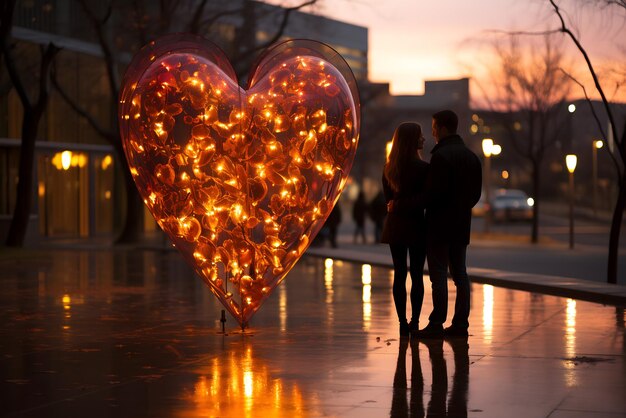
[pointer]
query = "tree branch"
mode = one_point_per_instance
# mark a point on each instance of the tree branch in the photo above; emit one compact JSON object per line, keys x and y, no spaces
{"x":6,"y":23}
{"x":108,"y":135}
{"x":138,"y":10}
{"x":216,"y":16}
{"x":109,"y":60}
{"x":167,"y":9}
{"x":605,"y":102}
{"x":46,"y":61}
{"x":279,"y":32}
{"x":194,"y":24}
{"x":523,"y":33}
{"x":593,"y":111}
{"x":283,"y":24}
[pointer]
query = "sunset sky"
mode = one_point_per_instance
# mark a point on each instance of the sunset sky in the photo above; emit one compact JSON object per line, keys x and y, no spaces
{"x":414,"y":40}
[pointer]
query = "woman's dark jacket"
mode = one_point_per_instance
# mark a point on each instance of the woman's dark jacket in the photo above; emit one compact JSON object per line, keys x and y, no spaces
{"x":406,"y":227}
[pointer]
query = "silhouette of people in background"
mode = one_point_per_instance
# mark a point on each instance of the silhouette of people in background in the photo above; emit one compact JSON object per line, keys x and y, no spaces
{"x":333,"y":221}
{"x":456,"y":406}
{"x":359,"y":210}
{"x":404,"y":177}
{"x":378,"y":213}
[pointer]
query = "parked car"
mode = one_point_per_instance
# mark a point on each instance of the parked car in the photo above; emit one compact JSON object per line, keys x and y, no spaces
{"x":511,"y":205}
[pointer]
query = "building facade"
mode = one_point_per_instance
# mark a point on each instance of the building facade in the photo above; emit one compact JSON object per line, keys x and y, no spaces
{"x":78,"y":190}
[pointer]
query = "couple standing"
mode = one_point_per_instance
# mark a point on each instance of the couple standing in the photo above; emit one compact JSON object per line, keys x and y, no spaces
{"x":446,"y":190}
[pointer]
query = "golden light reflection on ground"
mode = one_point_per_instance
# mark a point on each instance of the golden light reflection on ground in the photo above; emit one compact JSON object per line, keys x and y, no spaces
{"x":328,"y":284}
{"x":488,"y":313}
{"x":366,"y":279}
{"x":282,"y":303}
{"x":240,"y":385}
{"x":570,"y":341}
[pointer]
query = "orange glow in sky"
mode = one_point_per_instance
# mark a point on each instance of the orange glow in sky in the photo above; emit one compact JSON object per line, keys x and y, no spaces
{"x":413,"y":41}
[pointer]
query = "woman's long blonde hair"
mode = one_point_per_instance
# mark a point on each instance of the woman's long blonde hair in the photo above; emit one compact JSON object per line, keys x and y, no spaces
{"x":404,"y":149}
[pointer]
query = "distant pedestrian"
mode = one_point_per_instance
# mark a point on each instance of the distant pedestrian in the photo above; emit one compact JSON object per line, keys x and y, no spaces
{"x":404,"y":177}
{"x":453,"y":187}
{"x":333,"y":221}
{"x":359,"y":210}
{"x":378,"y":213}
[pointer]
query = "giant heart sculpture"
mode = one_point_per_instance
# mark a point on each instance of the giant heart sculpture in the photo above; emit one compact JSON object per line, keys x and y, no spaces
{"x":240,"y":180}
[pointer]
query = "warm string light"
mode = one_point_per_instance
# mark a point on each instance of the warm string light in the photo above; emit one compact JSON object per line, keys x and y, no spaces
{"x":241,"y":180}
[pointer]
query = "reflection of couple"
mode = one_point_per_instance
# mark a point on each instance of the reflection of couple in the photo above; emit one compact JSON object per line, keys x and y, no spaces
{"x":456,"y":404}
{"x":446,"y":189}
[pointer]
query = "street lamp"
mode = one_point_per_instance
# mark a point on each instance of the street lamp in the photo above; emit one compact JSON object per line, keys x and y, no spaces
{"x":595,"y":146}
{"x":487,"y":151}
{"x":570,"y":161}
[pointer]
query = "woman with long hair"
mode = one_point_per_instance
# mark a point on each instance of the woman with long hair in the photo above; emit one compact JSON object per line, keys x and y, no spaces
{"x":404,"y":176}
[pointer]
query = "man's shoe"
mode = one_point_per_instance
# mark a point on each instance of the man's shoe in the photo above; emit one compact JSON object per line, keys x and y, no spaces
{"x":404,"y":329}
{"x":452,"y":332}
{"x":431,"y":331}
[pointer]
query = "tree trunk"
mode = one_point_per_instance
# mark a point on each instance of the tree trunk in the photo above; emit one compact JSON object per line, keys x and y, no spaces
{"x":534,"y":235}
{"x":616,"y":225}
{"x":24,"y":196}
{"x":132,"y":231}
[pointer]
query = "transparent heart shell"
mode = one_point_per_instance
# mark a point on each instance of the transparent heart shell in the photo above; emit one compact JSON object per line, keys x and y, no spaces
{"x":241,"y":180}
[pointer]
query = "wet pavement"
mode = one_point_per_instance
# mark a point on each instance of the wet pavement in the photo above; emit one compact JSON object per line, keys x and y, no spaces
{"x":119,"y":333}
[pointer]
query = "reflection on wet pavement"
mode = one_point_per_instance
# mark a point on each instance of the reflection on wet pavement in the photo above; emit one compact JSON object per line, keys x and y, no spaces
{"x":134,"y":333}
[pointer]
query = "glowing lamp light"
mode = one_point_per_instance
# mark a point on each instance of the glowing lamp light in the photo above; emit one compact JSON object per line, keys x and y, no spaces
{"x":106,"y":162}
{"x":571,"y":108}
{"x":66,"y":160}
{"x":79,"y":160}
{"x":241,"y":180}
{"x":496,"y":149}
{"x":570,"y":162}
{"x":487,"y":147}
{"x":599,"y":143}
{"x":505,"y":174}
{"x":530,"y":201}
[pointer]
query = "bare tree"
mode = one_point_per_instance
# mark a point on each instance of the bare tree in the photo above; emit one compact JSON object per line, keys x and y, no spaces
{"x":620,"y":141}
{"x":33,"y":112}
{"x":148,"y":22}
{"x":529,"y":89}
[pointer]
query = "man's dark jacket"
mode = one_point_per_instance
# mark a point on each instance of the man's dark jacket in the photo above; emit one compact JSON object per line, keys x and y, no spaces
{"x":453,"y":187}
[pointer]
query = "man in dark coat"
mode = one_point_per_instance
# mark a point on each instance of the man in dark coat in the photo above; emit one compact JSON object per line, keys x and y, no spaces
{"x":453,"y":187}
